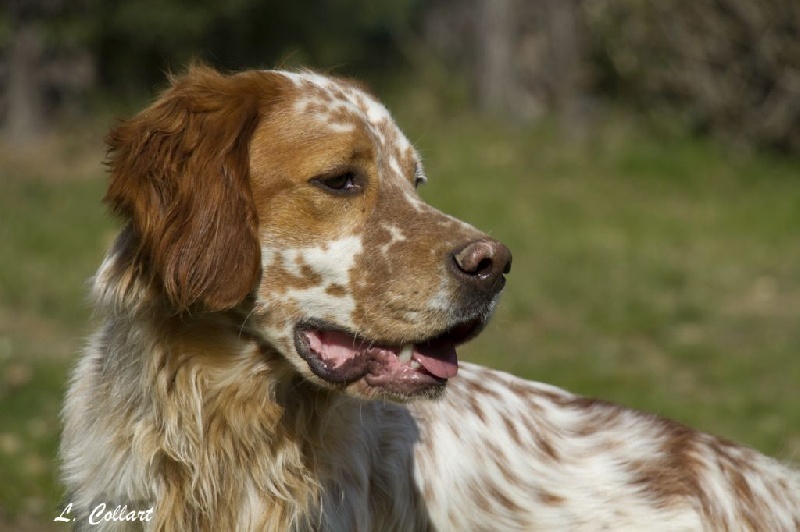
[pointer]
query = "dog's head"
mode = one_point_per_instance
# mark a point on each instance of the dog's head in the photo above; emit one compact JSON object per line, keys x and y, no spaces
{"x":293,"y":196}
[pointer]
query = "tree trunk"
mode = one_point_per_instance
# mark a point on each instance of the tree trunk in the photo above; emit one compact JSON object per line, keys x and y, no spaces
{"x":25,"y":117}
{"x":496,"y":77}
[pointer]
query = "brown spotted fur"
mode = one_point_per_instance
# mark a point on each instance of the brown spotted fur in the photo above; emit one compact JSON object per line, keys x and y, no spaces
{"x":189,"y":399}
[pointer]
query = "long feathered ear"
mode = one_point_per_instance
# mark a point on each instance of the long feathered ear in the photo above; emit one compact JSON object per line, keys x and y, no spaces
{"x":180,"y":174}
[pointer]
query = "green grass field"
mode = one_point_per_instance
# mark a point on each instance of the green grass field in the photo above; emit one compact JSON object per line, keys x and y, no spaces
{"x":652,"y":270}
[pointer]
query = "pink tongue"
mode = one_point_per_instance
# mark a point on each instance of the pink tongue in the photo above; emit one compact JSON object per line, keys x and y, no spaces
{"x":441,"y":360}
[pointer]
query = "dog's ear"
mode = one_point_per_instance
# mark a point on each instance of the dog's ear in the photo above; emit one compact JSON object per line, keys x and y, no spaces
{"x":180,"y":175}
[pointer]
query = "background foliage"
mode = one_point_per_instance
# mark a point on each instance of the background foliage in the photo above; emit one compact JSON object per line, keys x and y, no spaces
{"x":731,"y":67}
{"x":728,"y":67}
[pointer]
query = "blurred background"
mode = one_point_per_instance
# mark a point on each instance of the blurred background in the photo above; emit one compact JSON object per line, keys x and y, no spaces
{"x":641,"y":159}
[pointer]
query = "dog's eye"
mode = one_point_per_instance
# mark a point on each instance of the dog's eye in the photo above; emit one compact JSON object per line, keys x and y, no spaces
{"x":341,"y":182}
{"x":347,"y":183}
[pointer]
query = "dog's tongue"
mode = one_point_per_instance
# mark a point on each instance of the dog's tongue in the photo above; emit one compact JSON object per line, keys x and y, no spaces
{"x":440,"y":360}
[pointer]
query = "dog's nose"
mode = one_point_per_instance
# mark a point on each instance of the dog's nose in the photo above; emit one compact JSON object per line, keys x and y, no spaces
{"x":482,"y":264}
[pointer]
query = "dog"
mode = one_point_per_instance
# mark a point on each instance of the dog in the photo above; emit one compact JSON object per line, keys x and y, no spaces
{"x":280,"y":316}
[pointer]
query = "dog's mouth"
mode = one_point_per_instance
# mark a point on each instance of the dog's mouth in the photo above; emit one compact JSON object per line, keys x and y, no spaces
{"x":341,"y":357}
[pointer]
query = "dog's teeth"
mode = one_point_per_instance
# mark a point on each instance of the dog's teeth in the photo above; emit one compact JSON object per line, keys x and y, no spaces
{"x":405,"y":353}
{"x":415,"y":365}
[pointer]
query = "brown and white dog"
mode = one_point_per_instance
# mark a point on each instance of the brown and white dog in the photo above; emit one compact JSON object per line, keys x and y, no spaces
{"x":280,"y":316}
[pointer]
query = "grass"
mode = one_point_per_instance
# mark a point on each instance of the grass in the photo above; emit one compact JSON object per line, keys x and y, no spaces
{"x":53,"y":231}
{"x":656,"y":271}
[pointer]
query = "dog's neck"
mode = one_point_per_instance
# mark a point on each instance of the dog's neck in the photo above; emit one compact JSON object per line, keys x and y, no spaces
{"x":225,"y":413}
